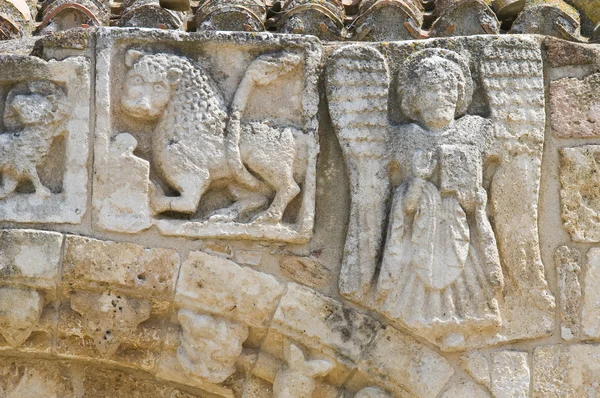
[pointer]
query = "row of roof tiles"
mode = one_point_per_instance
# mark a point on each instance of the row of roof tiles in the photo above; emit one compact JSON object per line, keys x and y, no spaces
{"x":365,"y":20}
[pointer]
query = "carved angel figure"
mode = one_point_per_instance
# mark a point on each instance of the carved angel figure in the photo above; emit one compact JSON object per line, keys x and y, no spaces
{"x":440,"y":267}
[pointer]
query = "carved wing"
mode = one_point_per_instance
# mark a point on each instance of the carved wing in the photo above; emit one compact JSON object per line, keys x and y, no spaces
{"x":357,"y":91}
{"x":512,"y":75}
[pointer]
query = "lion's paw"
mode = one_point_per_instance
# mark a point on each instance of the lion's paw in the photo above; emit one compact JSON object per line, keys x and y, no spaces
{"x":268,"y":217}
{"x":43,"y":192}
{"x":223,"y":215}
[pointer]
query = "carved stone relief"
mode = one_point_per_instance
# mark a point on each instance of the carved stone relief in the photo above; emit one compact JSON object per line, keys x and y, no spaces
{"x":205,"y":160}
{"x":441,"y":270}
{"x":44,"y":139}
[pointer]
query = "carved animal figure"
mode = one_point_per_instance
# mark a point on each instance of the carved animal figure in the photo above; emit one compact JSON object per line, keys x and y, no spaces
{"x":195,"y":142}
{"x":297,"y":379}
{"x":37,"y":111}
{"x":209,"y":346}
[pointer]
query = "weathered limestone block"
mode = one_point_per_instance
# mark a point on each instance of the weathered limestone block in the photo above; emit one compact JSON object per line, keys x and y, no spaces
{"x":568,"y":269}
{"x":590,"y":308}
{"x":258,"y":114}
{"x":458,"y":266}
{"x":116,"y":298}
{"x":29,"y":267}
{"x":510,"y":374}
{"x":402,"y":366}
{"x":580,"y":192}
{"x":322,"y":324}
{"x":216,"y":285}
{"x":306,"y":270}
{"x":297,"y":378}
{"x":477,"y":366}
{"x":209,"y":346}
{"x":21,"y":378}
{"x":566,"y":371}
{"x":575,"y":107}
{"x":44,"y":142}
{"x":462,"y":388}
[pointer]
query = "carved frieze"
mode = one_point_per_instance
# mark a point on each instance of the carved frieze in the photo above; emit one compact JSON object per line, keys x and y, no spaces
{"x":442,"y":268}
{"x":44,"y":139}
{"x":212,"y":152}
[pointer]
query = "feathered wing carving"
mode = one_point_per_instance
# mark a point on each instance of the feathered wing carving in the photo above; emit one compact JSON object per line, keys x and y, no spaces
{"x":357,"y":90}
{"x":512,"y":76}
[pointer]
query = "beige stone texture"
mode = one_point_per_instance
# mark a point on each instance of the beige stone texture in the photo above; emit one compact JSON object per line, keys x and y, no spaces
{"x":402,"y":365}
{"x":579,"y":193}
{"x":566,"y":371}
{"x":116,"y":299}
{"x":306,"y":270}
{"x":477,"y":366}
{"x":590,"y":308}
{"x":510,"y":374}
{"x":568,"y":269}
{"x":463,"y":388}
{"x":216,"y":285}
{"x":575,"y":107}
{"x":29,"y":272}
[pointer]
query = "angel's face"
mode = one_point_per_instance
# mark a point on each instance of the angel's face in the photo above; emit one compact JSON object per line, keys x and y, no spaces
{"x":436,"y":104}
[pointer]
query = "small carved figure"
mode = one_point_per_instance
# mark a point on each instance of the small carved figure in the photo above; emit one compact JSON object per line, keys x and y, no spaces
{"x":440,"y":266}
{"x":35,"y":113}
{"x":297,"y":379}
{"x":209,"y":346}
{"x":196,"y":141}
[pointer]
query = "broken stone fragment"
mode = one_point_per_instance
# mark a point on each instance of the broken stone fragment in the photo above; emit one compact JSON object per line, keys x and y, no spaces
{"x":231,"y":15}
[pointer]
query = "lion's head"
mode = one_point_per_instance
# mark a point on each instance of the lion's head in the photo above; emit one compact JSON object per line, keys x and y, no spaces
{"x":149,"y":84}
{"x":35,"y":102}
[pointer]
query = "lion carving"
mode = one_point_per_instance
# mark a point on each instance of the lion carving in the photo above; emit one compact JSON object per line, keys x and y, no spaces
{"x":198,"y":140}
{"x":35,"y":114}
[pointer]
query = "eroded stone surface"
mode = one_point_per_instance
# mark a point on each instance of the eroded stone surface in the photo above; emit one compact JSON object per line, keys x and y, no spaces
{"x":115,"y":300}
{"x":510,"y":374}
{"x":568,"y":268}
{"x":465,"y":388}
{"x":575,"y":107}
{"x":400,"y":364}
{"x":560,"y":371}
{"x":215,"y":285}
{"x":477,"y":366}
{"x":590,"y":311}
{"x":579,"y":194}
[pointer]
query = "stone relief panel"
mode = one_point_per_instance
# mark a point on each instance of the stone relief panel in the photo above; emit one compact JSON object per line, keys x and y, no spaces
{"x":451,"y":146}
{"x":220,"y":141}
{"x":44,"y":139}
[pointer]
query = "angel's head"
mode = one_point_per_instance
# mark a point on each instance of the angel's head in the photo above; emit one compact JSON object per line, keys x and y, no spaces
{"x":435,"y":87}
